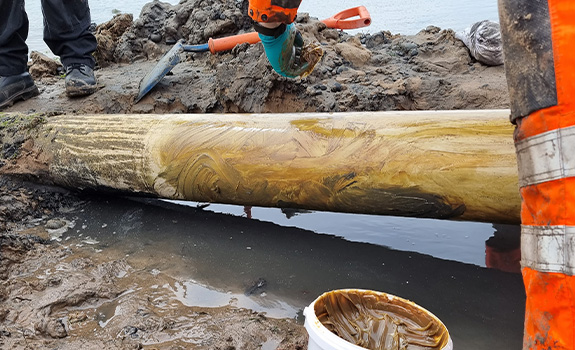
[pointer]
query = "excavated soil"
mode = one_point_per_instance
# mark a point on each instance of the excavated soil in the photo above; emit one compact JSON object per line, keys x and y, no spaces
{"x":365,"y":72}
{"x":55,"y":295}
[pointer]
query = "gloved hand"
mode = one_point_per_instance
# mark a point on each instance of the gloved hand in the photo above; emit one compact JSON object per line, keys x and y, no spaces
{"x":285,"y":53}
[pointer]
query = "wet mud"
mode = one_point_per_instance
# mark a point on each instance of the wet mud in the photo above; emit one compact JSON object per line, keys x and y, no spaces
{"x":64,"y":294}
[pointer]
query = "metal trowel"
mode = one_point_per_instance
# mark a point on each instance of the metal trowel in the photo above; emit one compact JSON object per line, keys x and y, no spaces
{"x":163,"y":67}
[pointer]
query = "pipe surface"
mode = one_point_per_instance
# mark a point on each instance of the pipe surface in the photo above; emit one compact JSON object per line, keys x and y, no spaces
{"x":457,"y":165}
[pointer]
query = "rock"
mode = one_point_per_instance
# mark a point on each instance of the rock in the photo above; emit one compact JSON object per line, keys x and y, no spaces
{"x":353,"y":52}
{"x":200,"y":16}
{"x":54,"y":224}
{"x":129,"y":331}
{"x":408,"y":46}
{"x":380,"y":59}
{"x":156,"y":37}
{"x":43,"y":66}
{"x":336,"y":87}
{"x":56,"y":329}
{"x":108,"y":35}
{"x":341,"y":69}
{"x":156,"y":17}
{"x":377,"y":40}
{"x":330,"y":34}
{"x":311,"y":91}
{"x":219,"y":28}
{"x":152,"y":49}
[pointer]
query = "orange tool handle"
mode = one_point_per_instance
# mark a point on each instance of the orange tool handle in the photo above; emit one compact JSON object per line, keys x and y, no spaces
{"x":229,"y":42}
{"x":341,"y":20}
{"x":345,"y":19}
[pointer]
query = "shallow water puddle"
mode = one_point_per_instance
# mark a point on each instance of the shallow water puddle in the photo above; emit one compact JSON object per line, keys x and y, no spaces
{"x":106,"y":313}
{"x":271,"y":344}
{"x":193,"y":294}
{"x":190,"y":257}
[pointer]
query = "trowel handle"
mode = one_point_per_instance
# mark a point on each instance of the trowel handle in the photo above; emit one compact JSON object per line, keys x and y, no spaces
{"x":342,"y":20}
{"x":229,"y":42}
{"x":346,"y":19}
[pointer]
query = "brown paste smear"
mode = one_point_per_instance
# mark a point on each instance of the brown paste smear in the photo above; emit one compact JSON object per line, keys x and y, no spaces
{"x":375,"y":321}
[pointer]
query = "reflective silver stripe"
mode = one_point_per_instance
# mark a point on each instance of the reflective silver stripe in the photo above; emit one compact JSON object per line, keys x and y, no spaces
{"x":548,"y":248}
{"x":546,"y":157}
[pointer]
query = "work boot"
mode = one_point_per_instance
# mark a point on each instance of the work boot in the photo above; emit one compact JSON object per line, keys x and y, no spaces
{"x":80,"y":80}
{"x":16,"y":87}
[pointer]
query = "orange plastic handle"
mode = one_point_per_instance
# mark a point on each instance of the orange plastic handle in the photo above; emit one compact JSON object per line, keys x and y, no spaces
{"x":345,"y":19}
{"x":229,"y":42}
{"x":341,"y":20}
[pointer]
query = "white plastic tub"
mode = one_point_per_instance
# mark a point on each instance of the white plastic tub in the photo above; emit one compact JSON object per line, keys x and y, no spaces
{"x":321,"y":338}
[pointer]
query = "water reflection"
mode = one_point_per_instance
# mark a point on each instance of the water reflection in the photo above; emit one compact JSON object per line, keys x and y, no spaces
{"x":459,"y":241}
{"x":191,"y":293}
{"x":482,"y":308}
{"x":503,"y":249}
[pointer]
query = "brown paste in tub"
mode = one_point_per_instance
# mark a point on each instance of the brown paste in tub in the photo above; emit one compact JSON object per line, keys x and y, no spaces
{"x":378,"y":321}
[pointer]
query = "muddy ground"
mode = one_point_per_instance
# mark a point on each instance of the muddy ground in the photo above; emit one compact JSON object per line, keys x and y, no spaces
{"x":49,"y":290}
{"x":60,"y":293}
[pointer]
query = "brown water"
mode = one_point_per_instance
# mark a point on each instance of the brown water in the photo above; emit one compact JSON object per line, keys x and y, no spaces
{"x":214,"y":258}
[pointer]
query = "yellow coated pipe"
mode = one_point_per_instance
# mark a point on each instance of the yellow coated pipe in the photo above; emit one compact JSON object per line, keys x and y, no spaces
{"x":434,"y":164}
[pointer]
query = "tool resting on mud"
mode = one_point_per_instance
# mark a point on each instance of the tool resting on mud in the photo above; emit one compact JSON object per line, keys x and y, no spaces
{"x":353,"y":18}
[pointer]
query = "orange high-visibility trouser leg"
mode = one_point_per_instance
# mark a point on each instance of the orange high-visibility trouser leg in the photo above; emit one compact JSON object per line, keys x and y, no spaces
{"x":539,"y":48}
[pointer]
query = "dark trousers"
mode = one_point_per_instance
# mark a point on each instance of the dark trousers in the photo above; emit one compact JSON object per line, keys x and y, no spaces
{"x":66,"y":32}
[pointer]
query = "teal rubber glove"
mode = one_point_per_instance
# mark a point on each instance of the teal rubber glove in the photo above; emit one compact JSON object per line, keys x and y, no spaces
{"x":284,"y":53}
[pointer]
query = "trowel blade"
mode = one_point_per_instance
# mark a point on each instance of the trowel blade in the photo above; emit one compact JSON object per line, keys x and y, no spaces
{"x":163,"y":67}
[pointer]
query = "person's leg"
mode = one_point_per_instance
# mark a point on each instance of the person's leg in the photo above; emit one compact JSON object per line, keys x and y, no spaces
{"x":66,"y":31}
{"x":540,"y":66}
{"x":13,"y":34}
{"x":67,"y":34}
{"x":15,"y":82}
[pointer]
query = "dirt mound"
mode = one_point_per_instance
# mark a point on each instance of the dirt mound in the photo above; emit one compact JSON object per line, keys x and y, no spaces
{"x":431,"y":70}
{"x":194,"y":21}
